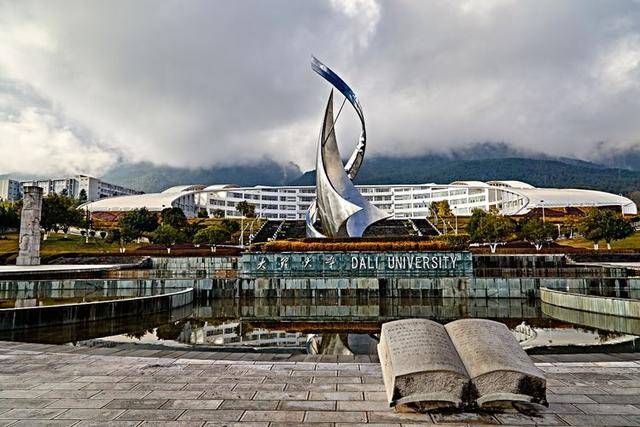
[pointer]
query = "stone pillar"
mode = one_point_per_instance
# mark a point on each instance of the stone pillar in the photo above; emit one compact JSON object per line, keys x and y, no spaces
{"x":30,"y":227}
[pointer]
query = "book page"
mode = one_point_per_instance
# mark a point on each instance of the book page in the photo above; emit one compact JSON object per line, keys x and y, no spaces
{"x":487,"y":346}
{"x":419,"y":345}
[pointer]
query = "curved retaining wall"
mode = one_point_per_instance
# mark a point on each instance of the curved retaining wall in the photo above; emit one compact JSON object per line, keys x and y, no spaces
{"x":623,"y":325}
{"x":33,"y":317}
{"x":595,"y":304}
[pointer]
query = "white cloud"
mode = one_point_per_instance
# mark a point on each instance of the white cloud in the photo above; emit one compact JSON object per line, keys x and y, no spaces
{"x":34,"y":143}
{"x":364,"y":13}
{"x":620,"y":65}
{"x":205,"y":83}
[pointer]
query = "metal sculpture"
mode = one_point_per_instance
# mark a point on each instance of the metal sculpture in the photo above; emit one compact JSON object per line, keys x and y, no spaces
{"x":341,"y":209}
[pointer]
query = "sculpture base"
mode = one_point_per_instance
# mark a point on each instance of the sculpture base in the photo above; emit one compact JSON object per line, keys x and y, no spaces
{"x":28,"y":260}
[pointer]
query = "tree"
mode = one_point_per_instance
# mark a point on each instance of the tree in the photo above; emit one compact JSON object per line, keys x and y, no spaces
{"x":230,"y":225}
{"x":441,"y":208}
{"x":536,"y":231}
{"x":218,"y":213}
{"x":82,"y":196}
{"x":190,"y":230}
{"x":488,"y":227}
{"x":136,"y":222}
{"x":168,"y":235}
{"x":570,"y":225}
{"x":60,"y":211}
{"x":9,"y":216}
{"x":246,"y":209}
{"x":604,"y":224}
{"x":174,"y":217}
{"x":202,"y":213}
{"x":113,"y":236}
{"x":213,"y":235}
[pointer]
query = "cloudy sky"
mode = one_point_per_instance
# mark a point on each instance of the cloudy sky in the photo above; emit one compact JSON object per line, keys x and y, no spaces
{"x":85,"y":85}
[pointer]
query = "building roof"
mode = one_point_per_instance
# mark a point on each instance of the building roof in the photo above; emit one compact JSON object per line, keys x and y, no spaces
{"x":183,"y":188}
{"x":569,"y":197}
{"x":510,"y":184}
{"x":155,"y":202}
{"x":218,"y":187}
{"x":470,"y":183}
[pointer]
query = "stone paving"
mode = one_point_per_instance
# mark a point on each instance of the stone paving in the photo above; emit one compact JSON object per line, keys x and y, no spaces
{"x":64,"y":385}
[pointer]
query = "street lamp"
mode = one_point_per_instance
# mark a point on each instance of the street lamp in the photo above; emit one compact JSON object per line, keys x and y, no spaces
{"x":542,"y":204}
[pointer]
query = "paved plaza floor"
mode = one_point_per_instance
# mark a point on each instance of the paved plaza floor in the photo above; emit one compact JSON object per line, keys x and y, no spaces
{"x":64,"y":385}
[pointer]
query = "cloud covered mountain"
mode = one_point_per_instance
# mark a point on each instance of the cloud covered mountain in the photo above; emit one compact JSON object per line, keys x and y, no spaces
{"x":216,"y":84}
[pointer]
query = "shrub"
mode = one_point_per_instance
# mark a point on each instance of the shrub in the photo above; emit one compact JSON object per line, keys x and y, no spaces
{"x":213,"y":235}
{"x":168,"y":235}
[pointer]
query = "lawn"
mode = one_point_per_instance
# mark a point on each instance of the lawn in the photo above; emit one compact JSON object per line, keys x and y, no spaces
{"x":632,"y":242}
{"x":57,"y":243}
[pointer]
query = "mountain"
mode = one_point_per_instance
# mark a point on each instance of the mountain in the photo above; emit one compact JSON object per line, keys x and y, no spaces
{"x":623,"y":158}
{"x":150,"y":178}
{"x":540,"y":172}
{"x":483,"y":162}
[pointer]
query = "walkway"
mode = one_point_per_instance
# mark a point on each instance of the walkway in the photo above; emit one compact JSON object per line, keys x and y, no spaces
{"x":63,"y":385}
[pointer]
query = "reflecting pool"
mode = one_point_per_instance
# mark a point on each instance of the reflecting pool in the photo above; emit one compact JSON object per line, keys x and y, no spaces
{"x":307,"y":325}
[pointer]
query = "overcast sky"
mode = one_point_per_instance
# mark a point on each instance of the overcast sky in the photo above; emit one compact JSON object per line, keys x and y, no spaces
{"x":87,"y":84}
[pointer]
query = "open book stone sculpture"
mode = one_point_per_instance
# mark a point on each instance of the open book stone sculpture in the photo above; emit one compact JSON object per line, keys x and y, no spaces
{"x":466,"y":363}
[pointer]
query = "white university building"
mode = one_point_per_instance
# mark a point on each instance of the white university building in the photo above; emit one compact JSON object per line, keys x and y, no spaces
{"x":9,"y":190}
{"x":94,"y":188}
{"x":401,"y":201}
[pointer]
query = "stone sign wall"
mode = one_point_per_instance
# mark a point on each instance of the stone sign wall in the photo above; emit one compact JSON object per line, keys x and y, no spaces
{"x":357,"y":264}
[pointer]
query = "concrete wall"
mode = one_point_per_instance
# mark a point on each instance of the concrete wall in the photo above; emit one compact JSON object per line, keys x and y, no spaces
{"x":596,"y":304}
{"x":224,"y":266}
{"x":32,"y":317}
{"x":364,"y":287}
{"x":624,"y":325}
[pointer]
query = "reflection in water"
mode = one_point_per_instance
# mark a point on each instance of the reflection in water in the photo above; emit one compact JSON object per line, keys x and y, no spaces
{"x":239,"y":334}
{"x":365,"y":315}
{"x":350,"y":326}
{"x":320,"y":325}
{"x":134,"y":326}
{"x":32,"y":293}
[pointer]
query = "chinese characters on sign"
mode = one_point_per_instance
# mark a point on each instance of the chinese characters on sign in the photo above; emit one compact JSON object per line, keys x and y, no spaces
{"x":441,"y":264}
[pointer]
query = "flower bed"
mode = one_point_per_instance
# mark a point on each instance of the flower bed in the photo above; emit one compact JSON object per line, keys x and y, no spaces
{"x":441,"y":243}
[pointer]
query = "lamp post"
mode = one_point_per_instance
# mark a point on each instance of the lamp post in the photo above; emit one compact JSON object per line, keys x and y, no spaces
{"x":542,"y":204}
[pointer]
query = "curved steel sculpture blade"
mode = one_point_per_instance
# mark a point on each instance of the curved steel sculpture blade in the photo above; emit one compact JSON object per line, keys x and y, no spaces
{"x":355,"y":161}
{"x":339,"y":206}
